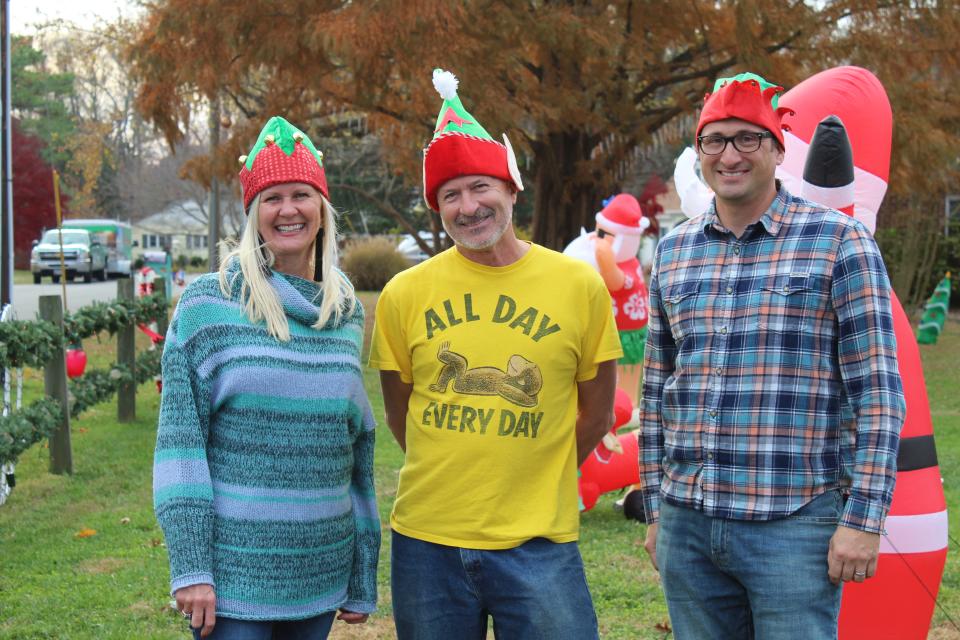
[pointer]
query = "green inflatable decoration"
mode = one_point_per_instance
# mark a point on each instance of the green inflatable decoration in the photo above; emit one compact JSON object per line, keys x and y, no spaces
{"x":935,"y":313}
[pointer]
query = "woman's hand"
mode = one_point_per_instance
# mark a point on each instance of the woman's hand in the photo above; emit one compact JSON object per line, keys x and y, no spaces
{"x":198,"y":602}
{"x":352,"y":617}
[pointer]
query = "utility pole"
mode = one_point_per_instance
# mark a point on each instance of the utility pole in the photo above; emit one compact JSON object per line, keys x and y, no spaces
{"x":6,"y":168}
{"x":213,"y":204}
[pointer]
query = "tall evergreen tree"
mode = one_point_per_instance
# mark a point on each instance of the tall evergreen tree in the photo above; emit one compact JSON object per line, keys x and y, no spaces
{"x":39,"y":100}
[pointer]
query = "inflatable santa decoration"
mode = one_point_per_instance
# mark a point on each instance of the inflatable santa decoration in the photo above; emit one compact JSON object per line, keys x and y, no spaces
{"x":612,"y":250}
{"x":838,"y":154}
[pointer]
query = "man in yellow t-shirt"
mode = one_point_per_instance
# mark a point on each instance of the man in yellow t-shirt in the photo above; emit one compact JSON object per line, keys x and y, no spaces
{"x":497,"y":361}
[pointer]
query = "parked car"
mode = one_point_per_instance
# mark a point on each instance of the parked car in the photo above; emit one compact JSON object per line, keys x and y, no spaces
{"x":82,"y":255}
{"x":410,"y":250}
{"x":116,"y":238}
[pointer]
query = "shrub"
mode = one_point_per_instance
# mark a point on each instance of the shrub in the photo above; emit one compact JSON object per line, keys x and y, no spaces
{"x":182,"y":261}
{"x":371,"y":262}
{"x":198,"y":261}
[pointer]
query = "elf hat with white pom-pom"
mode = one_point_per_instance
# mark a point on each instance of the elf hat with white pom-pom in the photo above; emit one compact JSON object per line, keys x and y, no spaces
{"x":461,"y":147}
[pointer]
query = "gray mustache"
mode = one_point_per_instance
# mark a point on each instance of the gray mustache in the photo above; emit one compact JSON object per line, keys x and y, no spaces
{"x":482,"y":212}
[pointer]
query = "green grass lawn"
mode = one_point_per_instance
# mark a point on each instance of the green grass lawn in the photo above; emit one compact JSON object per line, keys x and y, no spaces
{"x":54,"y":584}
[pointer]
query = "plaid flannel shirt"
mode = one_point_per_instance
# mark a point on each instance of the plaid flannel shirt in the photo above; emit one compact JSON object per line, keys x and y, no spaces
{"x":770,"y":373}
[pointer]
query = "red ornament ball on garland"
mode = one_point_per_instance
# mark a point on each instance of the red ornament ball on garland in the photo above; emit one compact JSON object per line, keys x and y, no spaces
{"x":76,"y":362}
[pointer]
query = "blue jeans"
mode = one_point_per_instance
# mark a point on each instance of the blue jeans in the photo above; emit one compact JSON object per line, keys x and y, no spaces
{"x":730,"y":579}
{"x":535,"y":591}
{"x":316,"y":628}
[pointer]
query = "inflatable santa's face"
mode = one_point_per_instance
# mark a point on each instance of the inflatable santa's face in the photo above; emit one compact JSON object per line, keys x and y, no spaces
{"x":621,"y":223}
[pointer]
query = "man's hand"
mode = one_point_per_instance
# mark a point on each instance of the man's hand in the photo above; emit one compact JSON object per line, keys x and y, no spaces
{"x":853,"y":555}
{"x":650,"y":544}
{"x":198,"y":602}
{"x":352,"y":617}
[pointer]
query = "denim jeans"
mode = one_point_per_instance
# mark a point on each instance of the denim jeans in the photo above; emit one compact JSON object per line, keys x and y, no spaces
{"x":316,"y":628}
{"x":537,"y":591}
{"x":731,"y":579}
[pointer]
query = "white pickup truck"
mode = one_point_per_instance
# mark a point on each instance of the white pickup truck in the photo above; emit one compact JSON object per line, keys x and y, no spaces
{"x":82,"y":255}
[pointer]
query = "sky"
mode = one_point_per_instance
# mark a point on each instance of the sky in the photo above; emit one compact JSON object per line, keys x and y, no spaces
{"x":25,"y":14}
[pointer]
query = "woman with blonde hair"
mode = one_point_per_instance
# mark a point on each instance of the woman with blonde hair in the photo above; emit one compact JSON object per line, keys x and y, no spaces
{"x":263,"y":471}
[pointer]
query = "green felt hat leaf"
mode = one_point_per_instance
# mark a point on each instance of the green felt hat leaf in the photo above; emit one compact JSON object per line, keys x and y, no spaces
{"x":279,"y":132}
{"x":743,"y":77}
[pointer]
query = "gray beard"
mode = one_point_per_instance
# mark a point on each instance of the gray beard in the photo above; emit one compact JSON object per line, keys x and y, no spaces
{"x":486,"y":244}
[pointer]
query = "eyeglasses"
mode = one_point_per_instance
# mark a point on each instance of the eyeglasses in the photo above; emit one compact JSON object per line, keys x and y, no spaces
{"x":744,"y":142}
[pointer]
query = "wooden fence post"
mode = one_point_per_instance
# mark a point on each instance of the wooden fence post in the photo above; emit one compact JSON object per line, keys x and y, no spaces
{"x":126,"y":355}
{"x":55,"y":386}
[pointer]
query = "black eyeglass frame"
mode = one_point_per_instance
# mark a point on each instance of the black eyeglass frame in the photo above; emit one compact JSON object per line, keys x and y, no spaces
{"x":728,"y":139}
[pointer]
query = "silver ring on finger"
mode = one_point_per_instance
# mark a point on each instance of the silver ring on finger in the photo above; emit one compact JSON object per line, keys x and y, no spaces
{"x":859,"y":574}
{"x":186,"y":614}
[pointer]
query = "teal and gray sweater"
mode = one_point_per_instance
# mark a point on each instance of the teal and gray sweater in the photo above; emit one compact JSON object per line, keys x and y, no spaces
{"x":263,"y":472}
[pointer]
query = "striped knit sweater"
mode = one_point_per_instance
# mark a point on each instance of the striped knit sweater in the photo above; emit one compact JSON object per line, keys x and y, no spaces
{"x":263,"y":471}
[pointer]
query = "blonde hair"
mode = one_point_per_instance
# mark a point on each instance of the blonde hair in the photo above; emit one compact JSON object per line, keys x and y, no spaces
{"x":260,"y":301}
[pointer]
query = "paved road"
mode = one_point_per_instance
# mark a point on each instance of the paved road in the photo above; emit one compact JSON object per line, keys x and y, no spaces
{"x":79,"y":294}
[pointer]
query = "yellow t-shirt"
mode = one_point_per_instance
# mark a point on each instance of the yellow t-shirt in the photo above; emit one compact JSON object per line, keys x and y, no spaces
{"x":494,"y":355}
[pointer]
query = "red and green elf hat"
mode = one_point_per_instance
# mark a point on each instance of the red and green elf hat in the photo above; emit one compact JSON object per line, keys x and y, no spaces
{"x":461,"y":147}
{"x":282,"y":154}
{"x":747,"y":97}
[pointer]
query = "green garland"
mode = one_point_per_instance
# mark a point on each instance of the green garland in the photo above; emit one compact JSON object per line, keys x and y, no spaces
{"x":148,"y":364}
{"x":28,"y":344}
{"x":39,"y":420}
{"x":33,"y":343}
{"x":112,"y":316}
{"x":21,"y":430}
{"x":99,"y":385}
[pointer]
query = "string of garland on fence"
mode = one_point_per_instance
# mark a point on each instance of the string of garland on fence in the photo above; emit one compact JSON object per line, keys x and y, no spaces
{"x":33,"y":343}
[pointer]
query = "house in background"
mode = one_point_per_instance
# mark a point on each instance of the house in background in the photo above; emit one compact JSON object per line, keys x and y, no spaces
{"x":672,"y":214}
{"x":180,"y":229}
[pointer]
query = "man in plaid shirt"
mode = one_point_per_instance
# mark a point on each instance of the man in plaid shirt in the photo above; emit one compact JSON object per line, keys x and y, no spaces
{"x":772,"y":404}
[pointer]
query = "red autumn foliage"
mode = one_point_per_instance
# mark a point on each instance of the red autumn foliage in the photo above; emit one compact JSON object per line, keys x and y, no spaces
{"x":654,"y":187}
{"x":33,"y":206}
